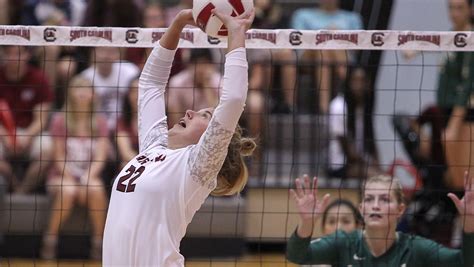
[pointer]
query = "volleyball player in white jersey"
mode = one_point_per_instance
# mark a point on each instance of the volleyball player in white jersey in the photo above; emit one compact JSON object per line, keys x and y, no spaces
{"x":158,"y":192}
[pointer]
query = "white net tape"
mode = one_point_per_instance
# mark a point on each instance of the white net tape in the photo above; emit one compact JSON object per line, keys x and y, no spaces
{"x":256,"y":38}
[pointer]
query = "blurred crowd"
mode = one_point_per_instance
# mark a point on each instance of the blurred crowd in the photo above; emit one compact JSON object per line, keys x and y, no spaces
{"x":73,"y":111}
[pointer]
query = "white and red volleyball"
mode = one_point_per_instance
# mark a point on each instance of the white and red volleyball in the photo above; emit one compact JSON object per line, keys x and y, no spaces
{"x":211,"y":24}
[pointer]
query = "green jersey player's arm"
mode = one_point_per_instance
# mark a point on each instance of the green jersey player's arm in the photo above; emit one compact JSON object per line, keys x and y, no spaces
{"x":435,"y":254}
{"x":320,"y":251}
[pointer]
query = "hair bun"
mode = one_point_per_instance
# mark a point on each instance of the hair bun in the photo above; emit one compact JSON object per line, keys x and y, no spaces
{"x":247,"y":146}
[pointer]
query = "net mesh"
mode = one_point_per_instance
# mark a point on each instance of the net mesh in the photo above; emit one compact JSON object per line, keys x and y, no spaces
{"x":307,"y":89}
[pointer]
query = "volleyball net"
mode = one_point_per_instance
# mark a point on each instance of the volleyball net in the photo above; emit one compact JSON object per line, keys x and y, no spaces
{"x":256,"y":38}
{"x":301,"y":105}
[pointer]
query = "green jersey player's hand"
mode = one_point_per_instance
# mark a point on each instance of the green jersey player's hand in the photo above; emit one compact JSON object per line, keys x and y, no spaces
{"x":465,"y":205}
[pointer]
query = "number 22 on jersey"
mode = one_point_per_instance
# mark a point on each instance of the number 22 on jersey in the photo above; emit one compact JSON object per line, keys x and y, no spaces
{"x":126,"y":183}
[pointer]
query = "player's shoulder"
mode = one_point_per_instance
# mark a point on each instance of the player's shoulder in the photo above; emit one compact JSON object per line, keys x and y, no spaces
{"x":415,"y":241}
{"x":413,"y":238}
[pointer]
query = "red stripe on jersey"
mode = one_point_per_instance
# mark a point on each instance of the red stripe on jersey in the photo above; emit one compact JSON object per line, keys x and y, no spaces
{"x":238,"y":6}
{"x":204,"y":16}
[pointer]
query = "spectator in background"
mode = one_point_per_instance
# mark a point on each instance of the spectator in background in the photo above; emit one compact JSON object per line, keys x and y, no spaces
{"x":153,"y":17}
{"x":7,"y":143}
{"x":171,"y":12}
{"x":80,"y":141}
{"x":41,"y":12}
{"x":3,"y":190}
{"x":111,"y":79}
{"x":279,"y":64}
{"x":259,"y":82}
{"x":59,"y":12}
{"x":453,"y":116}
{"x":4,"y":12}
{"x":112,"y":13}
{"x":328,"y":16}
{"x":196,"y":87}
{"x":445,"y":152}
{"x":27,"y":92}
{"x":7,"y":176}
{"x":268,"y":15}
{"x":109,"y":13}
{"x":59,"y":63}
{"x":127,"y":136}
{"x":352,"y":150}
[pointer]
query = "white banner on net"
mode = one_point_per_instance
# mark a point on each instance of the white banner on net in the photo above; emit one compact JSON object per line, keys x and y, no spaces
{"x":256,"y":38}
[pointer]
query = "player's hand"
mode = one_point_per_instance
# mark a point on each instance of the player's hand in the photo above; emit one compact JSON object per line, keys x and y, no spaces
{"x":465,"y":206}
{"x":185,"y":17}
{"x":306,"y":198}
{"x":238,"y":23}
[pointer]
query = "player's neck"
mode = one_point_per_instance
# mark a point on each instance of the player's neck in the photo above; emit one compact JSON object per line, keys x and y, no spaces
{"x":380,"y":241}
{"x":176,"y":143}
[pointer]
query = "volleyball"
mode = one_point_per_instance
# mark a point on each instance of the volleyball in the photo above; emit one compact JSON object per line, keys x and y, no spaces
{"x":210,"y":23}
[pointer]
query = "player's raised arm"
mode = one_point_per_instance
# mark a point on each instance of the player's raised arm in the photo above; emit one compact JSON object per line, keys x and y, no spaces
{"x":152,"y":125}
{"x":211,"y":150}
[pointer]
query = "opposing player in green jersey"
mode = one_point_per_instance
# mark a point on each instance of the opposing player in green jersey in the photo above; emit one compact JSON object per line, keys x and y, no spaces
{"x":379,"y":244}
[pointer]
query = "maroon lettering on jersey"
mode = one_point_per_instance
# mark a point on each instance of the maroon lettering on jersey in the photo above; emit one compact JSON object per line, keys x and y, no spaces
{"x":161,"y":157}
{"x":126,"y":183}
{"x":143,"y":159}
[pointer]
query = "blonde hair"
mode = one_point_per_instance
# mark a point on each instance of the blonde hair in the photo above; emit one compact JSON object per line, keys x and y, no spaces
{"x":394,"y":183}
{"x":70,"y":107}
{"x":233,"y":175}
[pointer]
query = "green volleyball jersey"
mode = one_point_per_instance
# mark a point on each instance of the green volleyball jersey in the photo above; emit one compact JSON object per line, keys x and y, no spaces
{"x":456,"y":80}
{"x":342,"y":249}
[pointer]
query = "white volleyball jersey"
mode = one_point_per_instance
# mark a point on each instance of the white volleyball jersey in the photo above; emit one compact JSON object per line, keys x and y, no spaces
{"x":158,"y":192}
